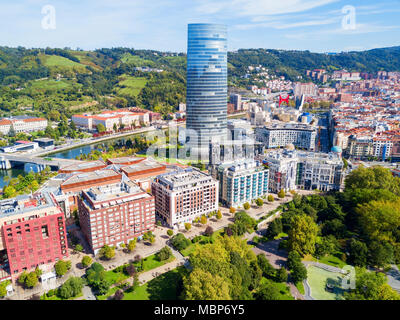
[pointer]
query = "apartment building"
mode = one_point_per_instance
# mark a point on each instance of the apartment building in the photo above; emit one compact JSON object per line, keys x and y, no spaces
{"x":292,"y":169}
{"x":22,"y":124}
{"x":33,"y":234}
{"x":279,"y":135}
{"x":183,"y":195}
{"x":115,"y":214}
{"x":111,"y":118}
{"x":241,"y":182}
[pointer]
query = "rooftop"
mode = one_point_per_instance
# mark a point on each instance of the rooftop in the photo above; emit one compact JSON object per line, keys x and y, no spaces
{"x":90,"y":176}
{"x":142,"y":166}
{"x":25,"y":203}
{"x":85,"y":166}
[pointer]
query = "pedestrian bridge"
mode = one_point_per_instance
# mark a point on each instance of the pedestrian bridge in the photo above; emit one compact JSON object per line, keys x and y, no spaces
{"x":37,"y":164}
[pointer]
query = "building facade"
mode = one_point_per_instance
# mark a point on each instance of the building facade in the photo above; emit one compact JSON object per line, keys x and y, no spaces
{"x":115,"y":214}
{"x":206,"y":98}
{"x":33,"y":233}
{"x":182,"y":196}
{"x":291,"y":170}
{"x":241,"y":182}
{"x":280,"y":135}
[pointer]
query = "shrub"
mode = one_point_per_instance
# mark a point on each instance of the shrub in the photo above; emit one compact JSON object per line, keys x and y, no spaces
{"x":219,"y":214}
{"x":259,"y":202}
{"x":246,"y":206}
{"x":170,"y":232}
{"x":232,"y":210}
{"x":130,"y":269}
{"x":188,"y":226}
{"x":281,"y":194}
{"x":79,"y":248}
{"x":203,"y":219}
{"x":86,"y":261}
{"x":209,"y":231}
{"x":107,"y":252}
{"x":164,"y":254}
{"x":119,"y":295}
{"x":270,"y":198}
{"x":180,"y":242}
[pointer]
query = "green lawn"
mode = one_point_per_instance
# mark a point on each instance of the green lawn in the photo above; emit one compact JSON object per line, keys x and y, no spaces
{"x":331,"y":260}
{"x":115,"y":277}
{"x":317,"y":278}
{"x":281,"y":235}
{"x":130,"y":86}
{"x":53,"y":60}
{"x":300,"y":287}
{"x":164,"y":287}
{"x":151,"y":262}
{"x":50,"y":84}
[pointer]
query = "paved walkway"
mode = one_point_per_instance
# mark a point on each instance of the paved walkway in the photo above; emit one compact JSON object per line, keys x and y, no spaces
{"x":394,"y":278}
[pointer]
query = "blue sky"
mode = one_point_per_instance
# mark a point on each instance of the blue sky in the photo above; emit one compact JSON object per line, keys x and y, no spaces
{"x":314,"y":25}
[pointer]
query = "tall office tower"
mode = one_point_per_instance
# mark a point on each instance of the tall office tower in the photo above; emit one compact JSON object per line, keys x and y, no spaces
{"x":206,"y":98}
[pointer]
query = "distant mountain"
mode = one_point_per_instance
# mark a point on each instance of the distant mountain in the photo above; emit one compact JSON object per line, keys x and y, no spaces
{"x":37,"y":81}
{"x":292,"y":63}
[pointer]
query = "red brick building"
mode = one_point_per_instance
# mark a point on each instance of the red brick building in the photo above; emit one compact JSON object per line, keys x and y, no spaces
{"x":115,"y":214}
{"x":33,"y":233}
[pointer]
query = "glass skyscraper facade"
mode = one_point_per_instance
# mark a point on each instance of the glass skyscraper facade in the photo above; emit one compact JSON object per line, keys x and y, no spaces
{"x":206,"y":96}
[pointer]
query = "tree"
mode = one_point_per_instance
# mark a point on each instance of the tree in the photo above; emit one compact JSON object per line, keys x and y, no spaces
{"x":119,"y":295}
{"x":268,"y":291}
{"x":61,"y":268}
{"x":86,"y":261}
{"x":232,"y":210}
{"x":267,"y":269}
{"x":326,"y":245}
{"x":246,"y":206}
{"x":281,"y":194}
{"x":79,"y":248}
{"x":371,"y":286}
{"x":219,"y":215}
{"x":131,"y":245}
{"x":203,"y":219}
{"x":274,"y":228}
{"x":164,"y":254}
{"x":303,"y":234}
{"x":209,"y":231}
{"x":281,"y":275}
{"x":180,"y":242}
{"x":130,"y":269}
{"x":293,"y":258}
{"x":298,"y":272}
{"x":188,"y":226}
{"x":170,"y":232}
{"x":31,"y":280}
{"x":9,"y":192}
{"x":358,"y":253}
{"x":3,"y":288}
{"x":380,"y":253}
{"x":202,"y":285}
{"x":115,"y":128}
{"x":380,"y":220}
{"x":270,"y":198}
{"x":107,"y":252}
{"x":259,"y":202}
{"x":71,"y":288}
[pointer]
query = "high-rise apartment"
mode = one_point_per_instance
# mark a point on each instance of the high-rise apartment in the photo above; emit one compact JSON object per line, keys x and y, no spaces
{"x":206,"y":97}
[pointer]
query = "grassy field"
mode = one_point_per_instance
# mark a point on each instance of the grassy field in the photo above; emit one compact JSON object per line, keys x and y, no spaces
{"x":300,"y":287}
{"x":164,"y":287}
{"x":332,"y":260}
{"x":136,"y":60}
{"x":53,"y":60}
{"x":130,"y":86}
{"x":317,"y":279}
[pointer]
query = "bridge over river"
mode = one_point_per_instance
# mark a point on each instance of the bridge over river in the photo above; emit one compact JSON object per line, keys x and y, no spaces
{"x":8,"y":161}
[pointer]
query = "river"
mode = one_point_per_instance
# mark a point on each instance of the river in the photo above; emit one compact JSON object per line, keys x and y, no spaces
{"x":67,"y":154}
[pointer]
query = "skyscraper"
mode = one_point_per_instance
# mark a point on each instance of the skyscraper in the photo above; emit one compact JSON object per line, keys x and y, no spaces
{"x":206,"y":97}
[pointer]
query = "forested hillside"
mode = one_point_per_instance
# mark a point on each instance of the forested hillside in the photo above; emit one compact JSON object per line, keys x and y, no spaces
{"x":35,"y":81}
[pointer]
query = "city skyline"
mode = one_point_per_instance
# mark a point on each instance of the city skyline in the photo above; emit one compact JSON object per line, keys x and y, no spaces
{"x":315,"y":25}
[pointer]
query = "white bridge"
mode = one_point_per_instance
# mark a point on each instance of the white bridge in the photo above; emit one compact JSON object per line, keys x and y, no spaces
{"x":37,"y":164}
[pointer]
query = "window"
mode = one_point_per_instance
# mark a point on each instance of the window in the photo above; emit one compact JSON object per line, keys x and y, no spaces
{"x":45,"y":232}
